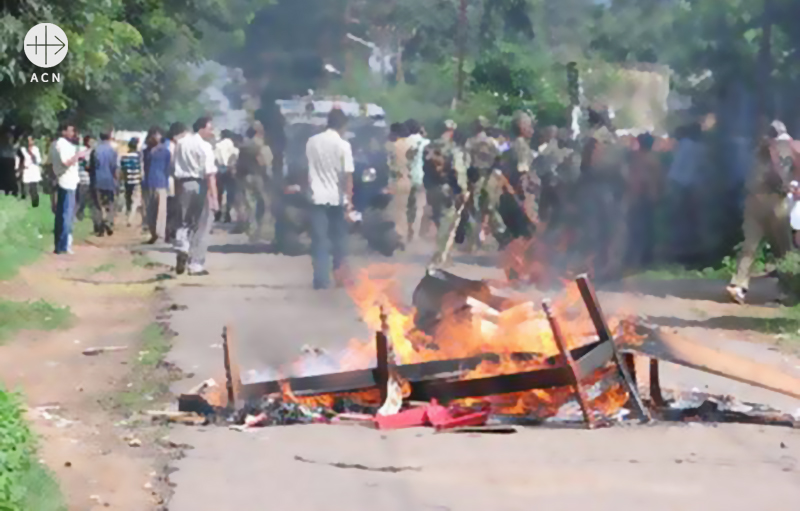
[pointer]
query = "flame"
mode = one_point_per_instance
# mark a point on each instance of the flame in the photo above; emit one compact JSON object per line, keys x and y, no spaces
{"x":520,"y":335}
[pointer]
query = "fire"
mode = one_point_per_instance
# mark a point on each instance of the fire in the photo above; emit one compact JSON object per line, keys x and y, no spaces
{"x":519,"y":335}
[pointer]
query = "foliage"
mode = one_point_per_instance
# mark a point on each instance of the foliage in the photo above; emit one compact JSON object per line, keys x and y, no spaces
{"x":24,"y":483}
{"x":789,"y":274}
{"x":125,"y":57}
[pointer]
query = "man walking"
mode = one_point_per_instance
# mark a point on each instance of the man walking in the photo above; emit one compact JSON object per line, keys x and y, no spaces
{"x":330,"y":175}
{"x":64,"y":157}
{"x":103,"y":173}
{"x":155,"y":187}
{"x":196,"y":191}
{"x":766,"y":210}
{"x":83,"y":195}
{"x":131,"y":164}
{"x":224,"y":153}
{"x":485,"y":187}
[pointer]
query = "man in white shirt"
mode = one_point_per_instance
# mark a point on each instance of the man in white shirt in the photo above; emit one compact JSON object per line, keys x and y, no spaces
{"x":196,"y":192}
{"x":64,"y":156}
{"x":330,"y":176}
{"x":223,"y":152}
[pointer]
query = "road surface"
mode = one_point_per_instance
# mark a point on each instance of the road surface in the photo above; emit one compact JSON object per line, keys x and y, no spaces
{"x":268,"y":298}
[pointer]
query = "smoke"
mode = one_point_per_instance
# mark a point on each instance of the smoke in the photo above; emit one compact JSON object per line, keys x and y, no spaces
{"x":224,"y":96}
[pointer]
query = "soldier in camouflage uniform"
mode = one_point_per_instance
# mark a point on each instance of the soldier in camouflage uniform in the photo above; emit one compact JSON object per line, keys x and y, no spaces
{"x":485,"y":186}
{"x":766,"y":210}
{"x":445,"y":182}
{"x":601,"y":190}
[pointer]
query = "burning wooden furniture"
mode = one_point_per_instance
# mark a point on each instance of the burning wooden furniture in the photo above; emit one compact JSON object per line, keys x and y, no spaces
{"x":451,"y":380}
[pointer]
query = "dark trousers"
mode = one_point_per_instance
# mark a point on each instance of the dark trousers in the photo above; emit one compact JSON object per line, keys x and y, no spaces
{"x":65,"y":212}
{"x":328,"y":241}
{"x":31,"y":189}
{"x":641,"y":233}
{"x":103,"y":211}
{"x":226,"y":188}
{"x":82,"y":200}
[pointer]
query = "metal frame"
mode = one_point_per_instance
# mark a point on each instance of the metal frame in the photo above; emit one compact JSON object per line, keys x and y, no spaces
{"x":440,"y":379}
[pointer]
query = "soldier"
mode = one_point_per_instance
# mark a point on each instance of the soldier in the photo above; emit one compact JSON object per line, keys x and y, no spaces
{"x":445,"y":184}
{"x":520,"y":165}
{"x":255,"y":159}
{"x":602,"y":185}
{"x":766,"y":210}
{"x":486,"y":187}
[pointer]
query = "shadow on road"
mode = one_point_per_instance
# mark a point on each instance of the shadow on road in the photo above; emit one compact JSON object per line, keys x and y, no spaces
{"x":763,"y":291}
{"x":767,"y":325}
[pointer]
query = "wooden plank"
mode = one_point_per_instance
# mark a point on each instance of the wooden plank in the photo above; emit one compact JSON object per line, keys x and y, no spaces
{"x":670,"y":347}
{"x":233,"y":381}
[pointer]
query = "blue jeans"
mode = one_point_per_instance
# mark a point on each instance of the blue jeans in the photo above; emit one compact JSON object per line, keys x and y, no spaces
{"x":328,"y":239}
{"x":65,"y":213}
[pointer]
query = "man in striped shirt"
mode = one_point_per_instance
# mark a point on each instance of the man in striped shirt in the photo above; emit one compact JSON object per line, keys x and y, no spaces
{"x":131,"y":164}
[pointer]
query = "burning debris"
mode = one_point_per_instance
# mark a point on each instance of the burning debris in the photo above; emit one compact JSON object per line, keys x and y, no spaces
{"x":469,"y":356}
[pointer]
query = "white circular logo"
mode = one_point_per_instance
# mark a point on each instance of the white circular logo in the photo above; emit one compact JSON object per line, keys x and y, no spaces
{"x":46,"y":45}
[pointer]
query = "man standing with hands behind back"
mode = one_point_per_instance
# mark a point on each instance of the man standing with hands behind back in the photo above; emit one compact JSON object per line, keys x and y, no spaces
{"x":196,"y":192}
{"x":330,"y":176}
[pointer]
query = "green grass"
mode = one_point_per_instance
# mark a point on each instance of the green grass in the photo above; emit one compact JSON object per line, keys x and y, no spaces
{"x":25,"y":484}
{"x":26,"y":233}
{"x":681,"y":273}
{"x":103,"y":268}
{"x":39,"y":315}
{"x":149,"y":382}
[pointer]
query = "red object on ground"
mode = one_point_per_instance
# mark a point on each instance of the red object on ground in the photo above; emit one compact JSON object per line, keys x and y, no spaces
{"x":410,"y":418}
{"x":435,"y":415}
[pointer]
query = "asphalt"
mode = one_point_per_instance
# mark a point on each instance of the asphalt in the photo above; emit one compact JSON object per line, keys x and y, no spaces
{"x":268,"y":299}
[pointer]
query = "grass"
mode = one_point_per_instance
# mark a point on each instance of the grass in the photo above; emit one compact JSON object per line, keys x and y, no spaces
{"x":103,"y":268}
{"x":149,"y":381}
{"x":39,"y":315}
{"x":25,"y":484}
{"x":681,"y":273}
{"x":26,"y":233}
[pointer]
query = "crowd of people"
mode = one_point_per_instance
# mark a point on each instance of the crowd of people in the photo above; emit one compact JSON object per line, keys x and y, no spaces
{"x":596,"y":194}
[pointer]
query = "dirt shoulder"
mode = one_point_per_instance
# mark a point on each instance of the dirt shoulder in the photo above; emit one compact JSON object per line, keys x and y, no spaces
{"x":81,"y":406}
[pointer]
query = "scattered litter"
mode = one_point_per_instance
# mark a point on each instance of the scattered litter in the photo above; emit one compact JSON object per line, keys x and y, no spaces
{"x":189,"y":418}
{"x":358,"y":466}
{"x":104,"y":349}
{"x":132,"y":441}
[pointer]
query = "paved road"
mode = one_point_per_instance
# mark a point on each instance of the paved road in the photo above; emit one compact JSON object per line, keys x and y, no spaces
{"x":269,"y":300}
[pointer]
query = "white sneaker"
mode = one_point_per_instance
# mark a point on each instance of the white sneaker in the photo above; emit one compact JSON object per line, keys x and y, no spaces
{"x":737,"y":294}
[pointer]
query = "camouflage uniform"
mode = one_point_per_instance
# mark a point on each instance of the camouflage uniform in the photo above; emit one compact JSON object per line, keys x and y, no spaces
{"x":600,"y":199}
{"x":255,"y":160}
{"x":766,"y":210}
{"x":443,"y":196}
{"x":485,"y":185}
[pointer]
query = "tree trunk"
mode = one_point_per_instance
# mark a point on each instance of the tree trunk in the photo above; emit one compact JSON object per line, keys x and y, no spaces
{"x":765,"y":103}
{"x":462,"y":43}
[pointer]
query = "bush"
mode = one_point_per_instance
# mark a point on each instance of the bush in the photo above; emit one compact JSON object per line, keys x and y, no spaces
{"x":25,"y":485}
{"x":789,"y":274}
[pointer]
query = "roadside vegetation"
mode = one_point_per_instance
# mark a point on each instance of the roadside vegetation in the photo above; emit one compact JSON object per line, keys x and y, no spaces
{"x":38,"y":315}
{"x":25,"y":483}
{"x":150,"y":377}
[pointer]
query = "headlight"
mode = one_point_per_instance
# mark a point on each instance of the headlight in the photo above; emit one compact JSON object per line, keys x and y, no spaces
{"x":369,"y":175}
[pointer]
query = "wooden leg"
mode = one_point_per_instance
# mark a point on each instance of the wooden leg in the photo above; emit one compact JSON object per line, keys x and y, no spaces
{"x":233,"y":383}
{"x":580,"y":392}
{"x":655,"y":385}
